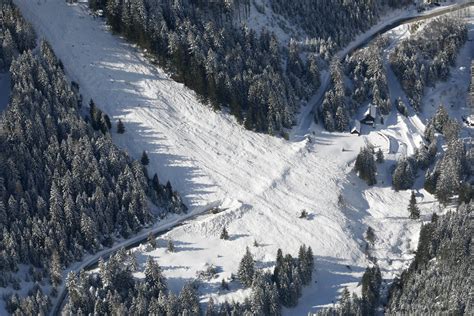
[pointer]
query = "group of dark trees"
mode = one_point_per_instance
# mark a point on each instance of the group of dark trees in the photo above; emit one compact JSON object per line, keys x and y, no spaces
{"x":16,"y":35}
{"x":271,"y":291}
{"x":406,"y":168}
{"x":283,"y":287}
{"x":438,"y":280}
{"x":228,"y":64}
{"x":368,"y":78}
{"x":357,"y":306}
{"x":425,"y":58}
{"x":448,"y":177}
{"x":413,"y":210}
{"x":335,"y":112}
{"x":64,"y":189}
{"x":365,"y":68}
{"x":113,"y":290}
{"x":98,"y":119}
{"x":338,"y":20}
{"x":365,"y":164}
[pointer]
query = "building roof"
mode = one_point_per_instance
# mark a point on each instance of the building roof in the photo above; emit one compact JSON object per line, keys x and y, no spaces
{"x":356,"y":127}
{"x":372,"y":111}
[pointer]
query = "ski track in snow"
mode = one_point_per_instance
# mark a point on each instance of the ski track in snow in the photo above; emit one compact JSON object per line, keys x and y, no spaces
{"x":263,"y":182}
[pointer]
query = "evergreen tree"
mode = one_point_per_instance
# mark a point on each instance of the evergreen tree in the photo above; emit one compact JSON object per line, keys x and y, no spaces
{"x":154,"y":280}
{"x":413,"y":208}
{"x":224,"y":285}
{"x":440,"y":119}
{"x":170,"y":245}
{"x":151,"y":241}
{"x":145,"y":160}
{"x":371,"y":281}
{"x":189,"y":301}
{"x":246,"y":269}
{"x":224,"y":234}
{"x":380,"y":158}
{"x":55,"y":273}
{"x":370,"y":235}
{"x":306,"y":264}
{"x":403,"y":176}
{"x":365,"y":165}
{"x":211,"y":308}
{"x":120,"y":127}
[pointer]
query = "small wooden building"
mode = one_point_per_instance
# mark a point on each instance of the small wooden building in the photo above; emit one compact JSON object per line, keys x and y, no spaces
{"x":356,"y":128}
{"x":370,"y":115}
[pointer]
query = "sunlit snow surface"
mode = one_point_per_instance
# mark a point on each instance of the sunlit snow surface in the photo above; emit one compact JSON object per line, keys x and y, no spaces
{"x":263,"y":182}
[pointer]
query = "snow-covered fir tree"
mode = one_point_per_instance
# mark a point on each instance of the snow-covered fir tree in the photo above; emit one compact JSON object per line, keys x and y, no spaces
{"x":247,"y":269}
{"x":413,"y":209}
{"x":365,"y":165}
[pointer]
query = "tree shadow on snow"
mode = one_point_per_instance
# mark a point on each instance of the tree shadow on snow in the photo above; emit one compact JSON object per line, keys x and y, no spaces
{"x":237,"y":236}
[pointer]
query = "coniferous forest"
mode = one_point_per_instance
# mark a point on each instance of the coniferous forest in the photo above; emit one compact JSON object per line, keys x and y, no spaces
{"x":439,"y":279}
{"x":225,"y":63}
{"x":424,"y":59}
{"x":417,"y":63}
{"x":114,"y":290}
{"x":260,"y":82}
{"x":65,"y":189}
{"x":335,"y":21}
{"x":67,"y":192}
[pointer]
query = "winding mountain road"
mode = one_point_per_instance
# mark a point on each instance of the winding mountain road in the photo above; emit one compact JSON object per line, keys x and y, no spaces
{"x":316,"y":101}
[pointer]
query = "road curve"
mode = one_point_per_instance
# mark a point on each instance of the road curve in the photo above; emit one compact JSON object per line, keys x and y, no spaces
{"x":135,"y":241}
{"x":318,"y":98}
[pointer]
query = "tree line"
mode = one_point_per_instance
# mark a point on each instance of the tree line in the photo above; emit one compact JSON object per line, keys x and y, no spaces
{"x":16,"y":35}
{"x":225,"y":62}
{"x":114,"y":289}
{"x":65,"y":189}
{"x":437,"y":281}
{"x":338,"y":20}
{"x":424,"y":58}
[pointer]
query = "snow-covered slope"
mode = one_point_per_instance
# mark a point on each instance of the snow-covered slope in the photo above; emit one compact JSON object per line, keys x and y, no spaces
{"x":263,"y":182}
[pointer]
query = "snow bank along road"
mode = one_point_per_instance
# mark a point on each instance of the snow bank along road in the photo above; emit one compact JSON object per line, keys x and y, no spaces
{"x":264,"y":182}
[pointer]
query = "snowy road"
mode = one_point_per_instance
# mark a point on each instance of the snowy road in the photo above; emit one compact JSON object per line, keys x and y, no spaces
{"x":384,"y":26}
